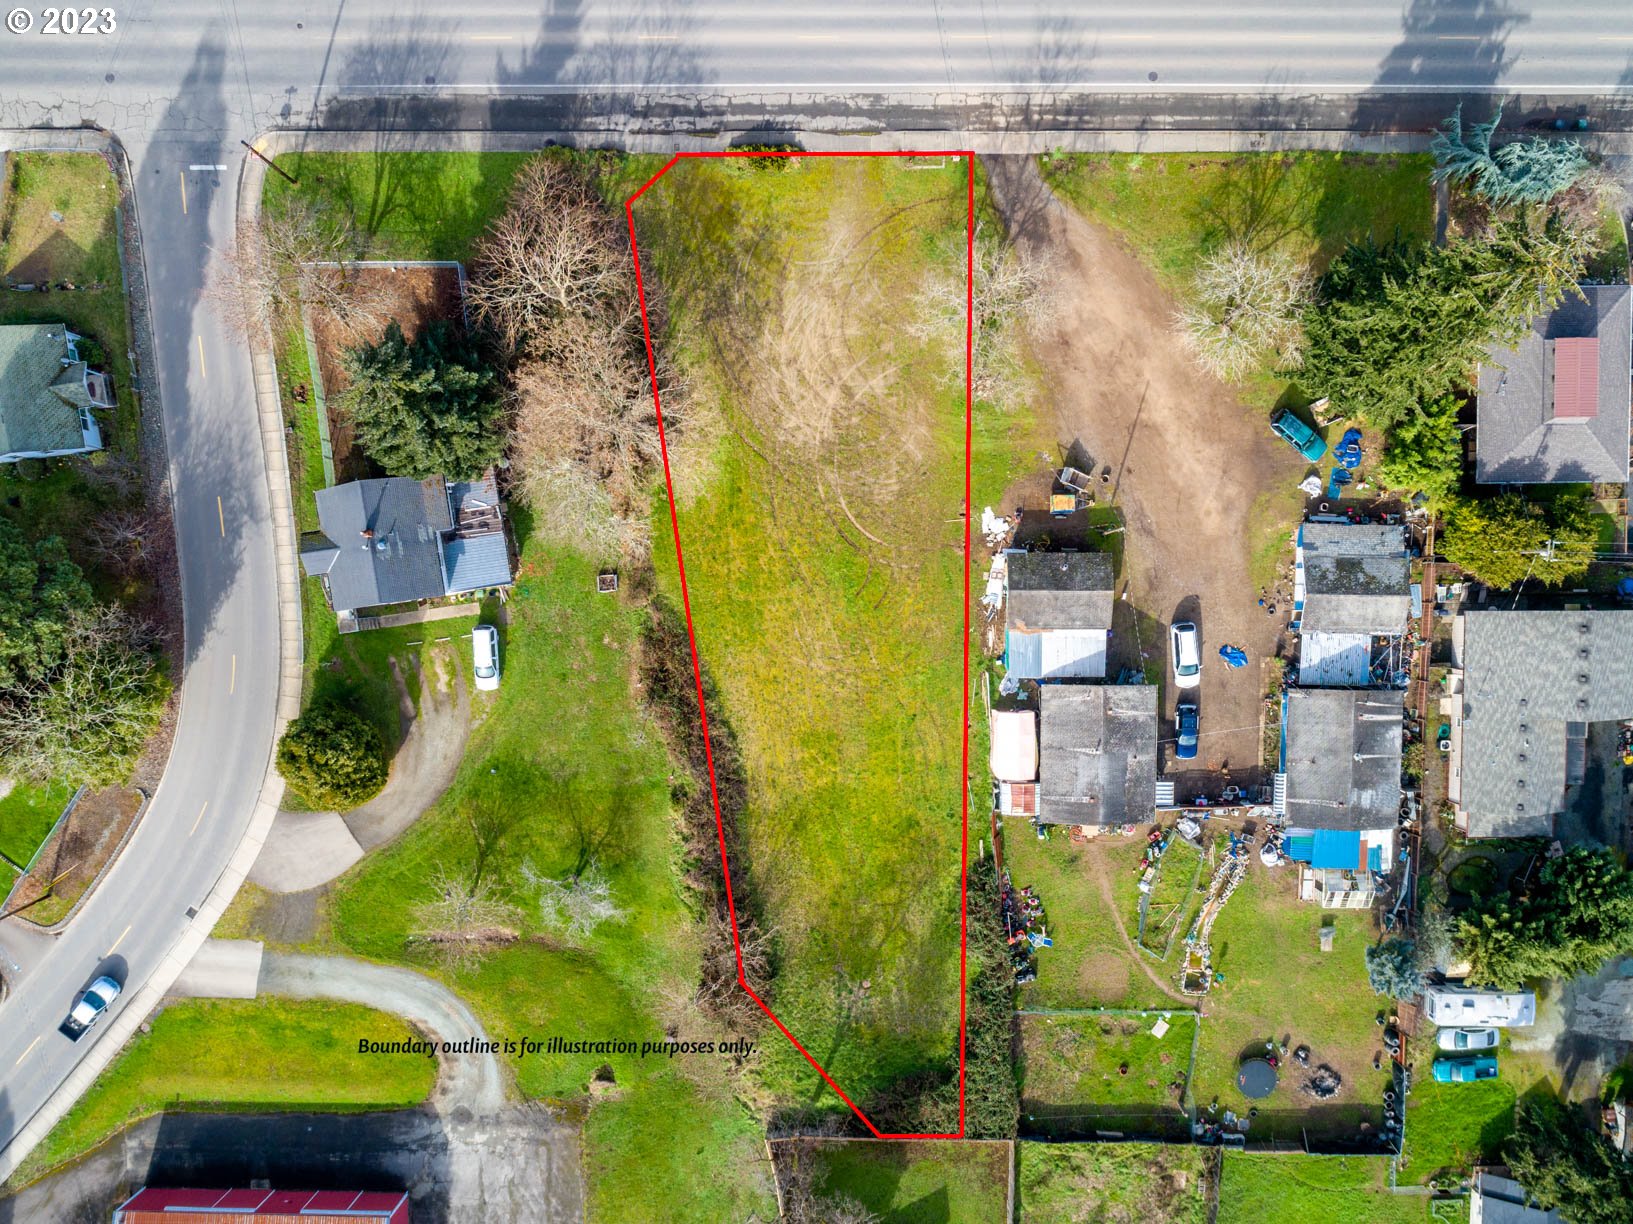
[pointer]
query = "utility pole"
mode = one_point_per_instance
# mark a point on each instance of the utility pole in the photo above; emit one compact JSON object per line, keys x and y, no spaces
{"x":290,"y":179}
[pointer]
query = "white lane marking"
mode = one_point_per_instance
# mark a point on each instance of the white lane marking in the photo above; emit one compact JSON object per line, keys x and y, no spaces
{"x":202,"y":368}
{"x":203,"y":166}
{"x":117,"y":942}
{"x":232,"y":681}
{"x":197,"y":819}
{"x":182,"y":175}
{"x":27,"y":1052}
{"x":493,"y":38}
{"x":221,"y":517}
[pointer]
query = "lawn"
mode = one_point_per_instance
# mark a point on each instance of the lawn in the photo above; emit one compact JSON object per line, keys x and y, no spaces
{"x":1296,"y":1189}
{"x":26,"y":816}
{"x":402,"y":205}
{"x":1279,"y":984}
{"x":925,"y":1182}
{"x":1080,"y":1074}
{"x":1175,"y":209}
{"x":823,"y":554}
{"x":1091,"y":964}
{"x":1104,"y":1183}
{"x":1454,"y":1126}
{"x":231,"y":1054}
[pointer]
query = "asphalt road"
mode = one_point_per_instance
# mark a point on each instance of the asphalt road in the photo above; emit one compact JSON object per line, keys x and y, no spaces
{"x":181,"y":82}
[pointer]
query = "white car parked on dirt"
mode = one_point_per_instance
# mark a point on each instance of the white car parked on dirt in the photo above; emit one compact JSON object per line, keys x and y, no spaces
{"x":485,"y":657}
{"x":1185,"y":649}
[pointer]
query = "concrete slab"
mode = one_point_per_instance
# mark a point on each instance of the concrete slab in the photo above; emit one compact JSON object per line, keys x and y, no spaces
{"x":303,"y":850}
{"x":222,"y":969}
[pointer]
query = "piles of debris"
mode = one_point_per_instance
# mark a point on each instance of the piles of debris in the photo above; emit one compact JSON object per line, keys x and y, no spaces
{"x":1023,"y":927}
{"x":1323,"y":1084}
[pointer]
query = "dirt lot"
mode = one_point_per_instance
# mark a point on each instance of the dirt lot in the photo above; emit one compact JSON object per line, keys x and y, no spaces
{"x":412,"y":295}
{"x":1199,"y":478}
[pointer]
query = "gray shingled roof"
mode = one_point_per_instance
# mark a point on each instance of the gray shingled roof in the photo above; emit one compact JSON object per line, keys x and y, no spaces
{"x":39,"y":396}
{"x":1516,"y":441}
{"x":1343,"y":758}
{"x":1526,"y":674}
{"x":401,"y":562}
{"x":1059,"y":591}
{"x":1356,"y":578}
{"x":1097,"y":761}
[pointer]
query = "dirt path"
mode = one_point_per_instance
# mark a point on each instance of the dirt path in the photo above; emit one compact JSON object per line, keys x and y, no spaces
{"x":1102,"y":881}
{"x":1189,"y":461}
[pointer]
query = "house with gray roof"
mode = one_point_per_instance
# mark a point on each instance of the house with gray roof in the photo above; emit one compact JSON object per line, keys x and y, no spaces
{"x":1530,"y":688}
{"x":1057,"y":615}
{"x":1502,"y":1200}
{"x":1556,"y":406}
{"x":47,"y":394}
{"x":1097,"y":758}
{"x":1351,"y":600}
{"x":395,"y":540}
{"x":1339,"y":787}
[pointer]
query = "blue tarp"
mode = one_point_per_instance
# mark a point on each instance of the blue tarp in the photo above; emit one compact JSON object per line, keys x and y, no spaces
{"x":1299,"y":849}
{"x":1336,"y":848}
{"x":1375,"y":859}
{"x":1235,"y":656}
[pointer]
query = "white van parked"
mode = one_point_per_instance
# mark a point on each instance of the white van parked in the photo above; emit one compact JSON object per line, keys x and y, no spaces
{"x":485,"y":656}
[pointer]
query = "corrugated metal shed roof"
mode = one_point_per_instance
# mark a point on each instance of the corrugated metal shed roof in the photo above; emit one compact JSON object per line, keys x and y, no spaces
{"x":470,"y":563}
{"x":1576,"y":377}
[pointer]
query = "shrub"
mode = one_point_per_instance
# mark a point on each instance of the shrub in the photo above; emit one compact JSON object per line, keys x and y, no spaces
{"x":1392,"y":968}
{"x":333,"y":757}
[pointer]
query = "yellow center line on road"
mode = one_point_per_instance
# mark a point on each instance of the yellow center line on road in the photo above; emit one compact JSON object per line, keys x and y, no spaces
{"x":232,"y":681}
{"x":182,"y":175}
{"x":221,"y":517}
{"x":117,"y":942}
{"x":202,"y":368}
{"x":26,"y":1052}
{"x":198,"y":819}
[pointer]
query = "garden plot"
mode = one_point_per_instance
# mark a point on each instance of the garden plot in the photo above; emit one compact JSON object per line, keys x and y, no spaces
{"x":1105,"y":1074}
{"x":1114,"y":1183}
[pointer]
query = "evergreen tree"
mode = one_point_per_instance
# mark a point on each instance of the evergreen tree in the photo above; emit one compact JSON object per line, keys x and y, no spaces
{"x":425,"y":409}
{"x":1425,"y":452}
{"x":40,"y":591}
{"x":1505,"y":540}
{"x":1392,"y":968}
{"x":1564,"y":1166}
{"x":1577,"y":916}
{"x":1524,"y":172}
{"x":333,"y":757}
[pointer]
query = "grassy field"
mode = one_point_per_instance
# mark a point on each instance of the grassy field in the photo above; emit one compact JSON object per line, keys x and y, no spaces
{"x":1100,"y":1183}
{"x":1176,"y":894}
{"x":230,"y":1054}
{"x":1090,"y":964}
{"x":1080,"y":1074}
{"x":26,"y":816}
{"x":823,"y":555}
{"x":920,"y":1182}
{"x":1255,"y":1189}
{"x":1278,"y":984}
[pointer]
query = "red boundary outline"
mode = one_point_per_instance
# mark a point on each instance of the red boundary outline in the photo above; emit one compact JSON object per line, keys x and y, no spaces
{"x":691,"y":636}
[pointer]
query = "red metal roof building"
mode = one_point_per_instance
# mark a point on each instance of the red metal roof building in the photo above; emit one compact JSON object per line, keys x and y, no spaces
{"x":179,"y":1206}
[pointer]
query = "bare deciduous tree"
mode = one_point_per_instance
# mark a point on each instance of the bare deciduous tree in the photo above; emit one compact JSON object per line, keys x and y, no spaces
{"x":1010,"y":297}
{"x":122,"y":539}
{"x":1246,"y":306}
{"x":89,"y":718}
{"x":556,"y":252}
{"x":462,"y":922}
{"x":575,"y":904}
{"x":301,"y":255}
{"x":574,"y":510}
{"x":796,"y":1169}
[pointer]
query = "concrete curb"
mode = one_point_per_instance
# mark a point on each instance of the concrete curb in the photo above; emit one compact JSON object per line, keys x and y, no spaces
{"x":142,"y":1003}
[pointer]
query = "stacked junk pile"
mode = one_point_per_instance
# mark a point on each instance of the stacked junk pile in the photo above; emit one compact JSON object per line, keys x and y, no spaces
{"x":1023,"y":927}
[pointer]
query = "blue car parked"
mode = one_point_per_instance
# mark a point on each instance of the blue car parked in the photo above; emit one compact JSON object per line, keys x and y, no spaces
{"x":1186,"y":719}
{"x":1464,"y":1070}
{"x":1302,"y":438}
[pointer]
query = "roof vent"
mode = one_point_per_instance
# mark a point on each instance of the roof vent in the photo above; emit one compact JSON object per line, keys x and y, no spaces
{"x":1522,"y":758}
{"x":1581,"y":677}
{"x":1583,"y":627}
{"x":1519,"y":807}
{"x":1524,"y":729}
{"x":1524,"y":701}
{"x":1519,"y":783}
{"x":1584,"y":653}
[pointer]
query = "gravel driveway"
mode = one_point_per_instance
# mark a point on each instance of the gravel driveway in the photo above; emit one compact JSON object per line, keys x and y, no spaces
{"x":1189,"y":461}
